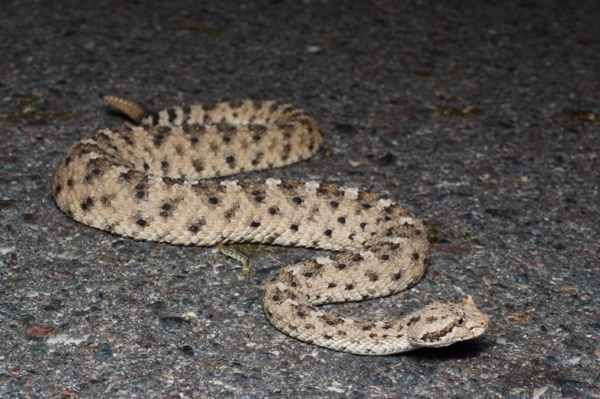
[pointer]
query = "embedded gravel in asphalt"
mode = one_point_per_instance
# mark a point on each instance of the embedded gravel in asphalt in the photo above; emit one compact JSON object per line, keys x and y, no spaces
{"x":481,"y":118}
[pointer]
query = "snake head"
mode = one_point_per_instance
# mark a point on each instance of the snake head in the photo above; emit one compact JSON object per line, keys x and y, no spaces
{"x":442,"y":323}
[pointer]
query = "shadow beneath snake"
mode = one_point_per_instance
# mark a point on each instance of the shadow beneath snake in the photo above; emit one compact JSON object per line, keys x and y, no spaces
{"x":460,"y":350}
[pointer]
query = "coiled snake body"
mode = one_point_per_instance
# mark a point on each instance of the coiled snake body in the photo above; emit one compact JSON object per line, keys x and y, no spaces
{"x":149,"y":182}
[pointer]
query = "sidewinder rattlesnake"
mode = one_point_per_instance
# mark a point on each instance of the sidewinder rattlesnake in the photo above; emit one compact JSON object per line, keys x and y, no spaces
{"x":149,"y":182}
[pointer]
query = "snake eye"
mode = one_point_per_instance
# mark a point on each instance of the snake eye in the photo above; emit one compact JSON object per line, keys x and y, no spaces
{"x":460,"y":321}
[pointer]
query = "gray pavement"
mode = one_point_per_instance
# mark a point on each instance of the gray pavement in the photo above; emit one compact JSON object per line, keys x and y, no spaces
{"x":482,"y":119}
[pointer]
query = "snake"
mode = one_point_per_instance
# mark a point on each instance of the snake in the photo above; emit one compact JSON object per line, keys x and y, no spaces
{"x":162,"y":177}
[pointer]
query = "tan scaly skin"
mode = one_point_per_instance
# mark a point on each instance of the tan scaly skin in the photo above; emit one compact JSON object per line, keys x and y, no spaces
{"x":149,"y":182}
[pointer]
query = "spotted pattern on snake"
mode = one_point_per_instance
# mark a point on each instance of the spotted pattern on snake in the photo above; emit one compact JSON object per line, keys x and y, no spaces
{"x":152,"y":181}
